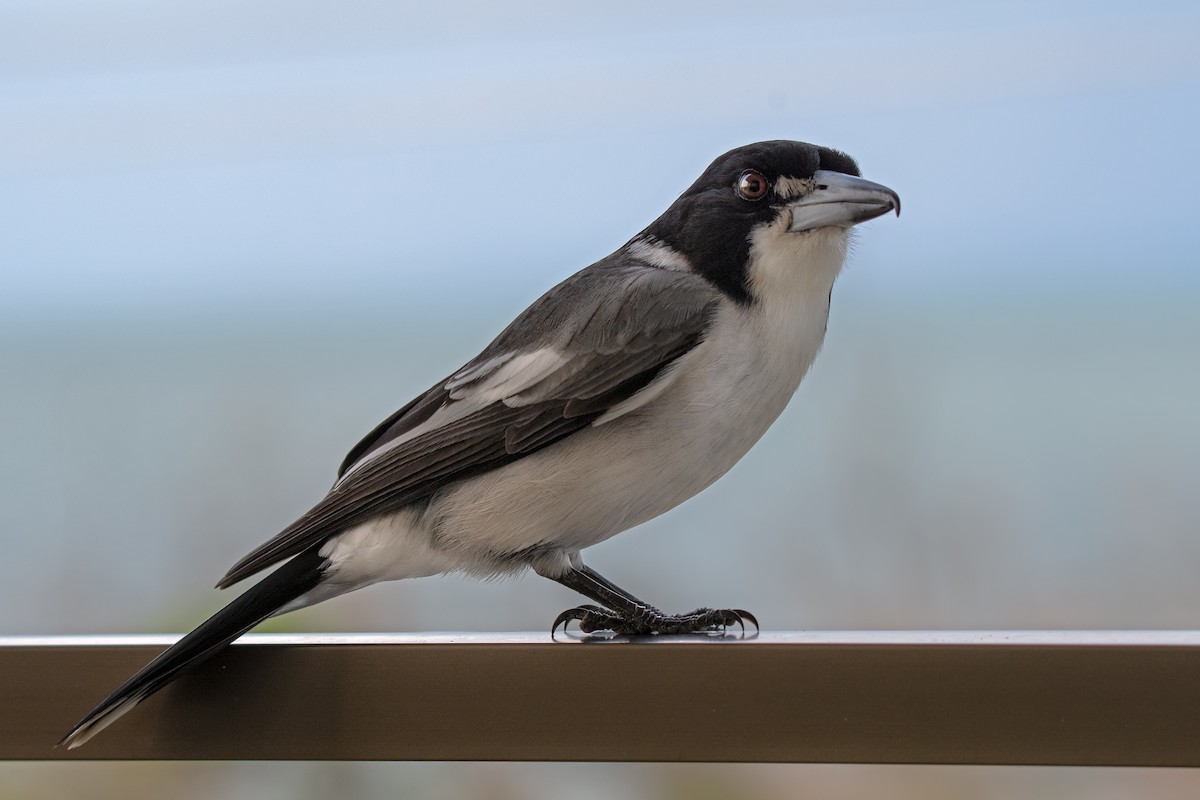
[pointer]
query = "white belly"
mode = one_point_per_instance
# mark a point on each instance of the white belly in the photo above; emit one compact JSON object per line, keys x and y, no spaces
{"x":608,"y":478}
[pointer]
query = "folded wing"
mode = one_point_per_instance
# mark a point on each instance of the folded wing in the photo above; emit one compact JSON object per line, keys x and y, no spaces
{"x":592,"y":349}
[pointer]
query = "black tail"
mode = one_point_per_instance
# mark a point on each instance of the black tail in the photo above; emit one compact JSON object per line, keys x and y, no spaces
{"x":293,"y":579}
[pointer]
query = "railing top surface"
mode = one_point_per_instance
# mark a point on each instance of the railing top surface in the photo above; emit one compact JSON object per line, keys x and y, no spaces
{"x":874,"y":638}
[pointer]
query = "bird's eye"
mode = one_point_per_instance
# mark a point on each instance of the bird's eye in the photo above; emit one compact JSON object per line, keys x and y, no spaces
{"x":753,"y":185}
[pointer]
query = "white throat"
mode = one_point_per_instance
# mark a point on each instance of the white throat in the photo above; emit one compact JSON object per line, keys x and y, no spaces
{"x":790,"y":277}
{"x":791,"y":269}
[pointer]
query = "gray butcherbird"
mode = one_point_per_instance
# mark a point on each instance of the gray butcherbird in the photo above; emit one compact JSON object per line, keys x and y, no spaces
{"x":620,"y":393}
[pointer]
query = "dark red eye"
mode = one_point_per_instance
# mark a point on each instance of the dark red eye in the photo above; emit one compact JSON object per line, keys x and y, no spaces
{"x":753,"y":185}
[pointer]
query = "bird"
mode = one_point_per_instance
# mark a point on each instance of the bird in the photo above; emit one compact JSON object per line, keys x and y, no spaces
{"x":626,"y":389}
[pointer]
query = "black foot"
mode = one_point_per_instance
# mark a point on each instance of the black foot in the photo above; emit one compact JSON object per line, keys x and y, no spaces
{"x":650,"y":620}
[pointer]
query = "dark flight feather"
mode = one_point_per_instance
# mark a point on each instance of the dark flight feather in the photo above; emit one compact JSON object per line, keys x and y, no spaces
{"x":618,"y":326}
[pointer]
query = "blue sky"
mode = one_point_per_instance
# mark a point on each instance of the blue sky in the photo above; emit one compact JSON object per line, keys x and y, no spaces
{"x":199,"y":156}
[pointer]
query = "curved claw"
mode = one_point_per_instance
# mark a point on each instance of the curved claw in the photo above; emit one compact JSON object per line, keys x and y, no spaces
{"x":562,"y":619}
{"x":565,"y":618}
{"x":578,"y":614}
{"x":745,"y":616}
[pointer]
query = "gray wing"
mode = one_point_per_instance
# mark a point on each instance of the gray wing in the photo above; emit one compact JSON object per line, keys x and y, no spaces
{"x":595,"y":347}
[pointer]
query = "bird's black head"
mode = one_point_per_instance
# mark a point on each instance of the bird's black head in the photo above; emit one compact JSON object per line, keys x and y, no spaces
{"x":712,"y":223}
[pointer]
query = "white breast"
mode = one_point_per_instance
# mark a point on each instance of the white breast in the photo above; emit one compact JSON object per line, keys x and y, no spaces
{"x":612,"y":476}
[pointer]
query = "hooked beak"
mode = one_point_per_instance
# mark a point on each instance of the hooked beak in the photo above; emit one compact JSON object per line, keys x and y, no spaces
{"x":841,"y":200}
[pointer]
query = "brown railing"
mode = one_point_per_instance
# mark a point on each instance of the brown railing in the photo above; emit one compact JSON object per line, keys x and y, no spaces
{"x":1001,"y":697}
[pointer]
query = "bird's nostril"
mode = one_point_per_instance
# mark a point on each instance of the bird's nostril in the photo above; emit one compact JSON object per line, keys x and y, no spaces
{"x":822,"y":186}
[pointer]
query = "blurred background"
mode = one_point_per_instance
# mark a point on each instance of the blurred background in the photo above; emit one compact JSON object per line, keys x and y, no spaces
{"x":234,"y":236}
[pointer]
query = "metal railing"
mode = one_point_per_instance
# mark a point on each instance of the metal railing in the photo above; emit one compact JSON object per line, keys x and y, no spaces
{"x":1001,"y":697}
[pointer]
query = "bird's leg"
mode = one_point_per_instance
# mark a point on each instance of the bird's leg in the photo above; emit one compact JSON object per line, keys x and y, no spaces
{"x":623,"y":613}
